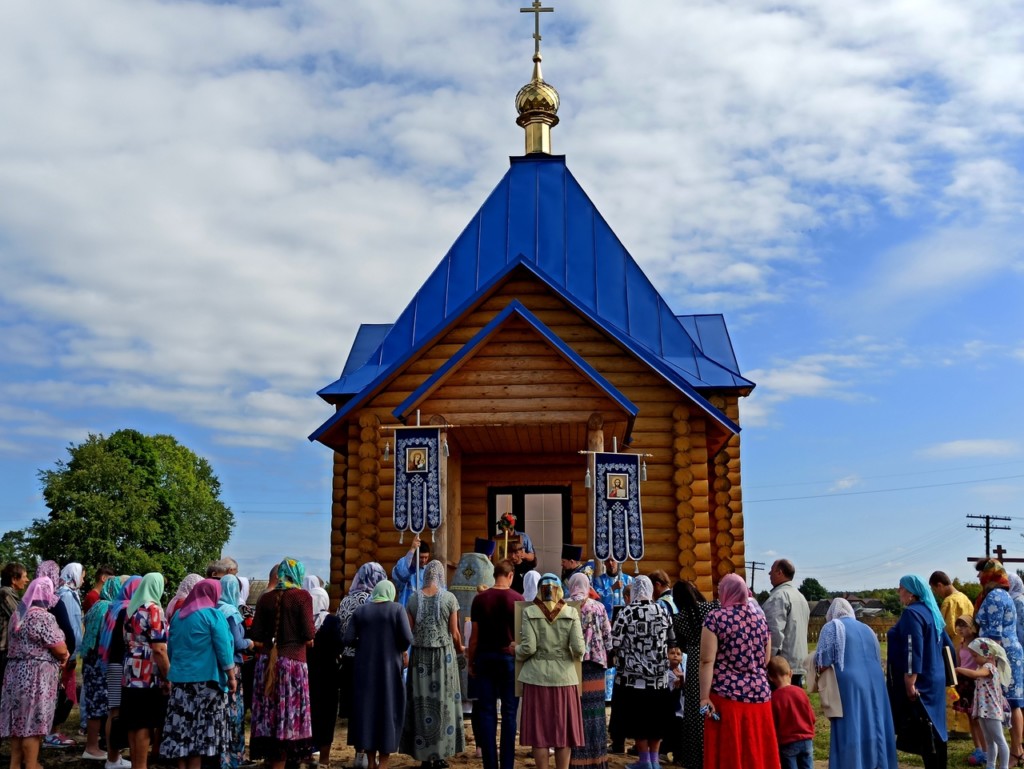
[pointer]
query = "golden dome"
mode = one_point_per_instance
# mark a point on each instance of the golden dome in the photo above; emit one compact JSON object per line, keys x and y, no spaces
{"x":537,"y":105}
{"x":537,"y":96}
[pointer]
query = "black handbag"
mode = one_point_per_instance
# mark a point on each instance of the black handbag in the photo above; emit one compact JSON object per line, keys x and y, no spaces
{"x":63,"y":708}
{"x":916,"y":734}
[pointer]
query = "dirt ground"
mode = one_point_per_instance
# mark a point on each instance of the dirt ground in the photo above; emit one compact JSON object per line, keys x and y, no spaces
{"x":341,"y":756}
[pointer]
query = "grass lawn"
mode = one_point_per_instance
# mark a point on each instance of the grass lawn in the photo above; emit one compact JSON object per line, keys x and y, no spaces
{"x":960,"y":745}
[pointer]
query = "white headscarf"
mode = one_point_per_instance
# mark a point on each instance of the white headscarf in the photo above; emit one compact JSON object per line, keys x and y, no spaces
{"x":530,"y":581}
{"x":321,"y":604}
{"x":833,"y":634}
{"x":310,"y":581}
{"x":243,"y":591}
{"x":72,"y":575}
{"x":995,"y":654}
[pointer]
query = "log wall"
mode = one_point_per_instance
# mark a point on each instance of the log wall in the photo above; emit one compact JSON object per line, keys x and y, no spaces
{"x":692,"y":506}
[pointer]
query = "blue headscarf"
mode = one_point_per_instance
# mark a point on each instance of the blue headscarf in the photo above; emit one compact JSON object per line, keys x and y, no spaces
{"x":917,"y":587}
{"x":228,"y":603}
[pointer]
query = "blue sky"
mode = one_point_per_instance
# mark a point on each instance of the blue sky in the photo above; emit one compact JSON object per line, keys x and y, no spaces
{"x":199,"y":203}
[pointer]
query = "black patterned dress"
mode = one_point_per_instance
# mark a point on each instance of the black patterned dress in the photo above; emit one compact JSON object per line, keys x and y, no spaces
{"x":687,"y":743}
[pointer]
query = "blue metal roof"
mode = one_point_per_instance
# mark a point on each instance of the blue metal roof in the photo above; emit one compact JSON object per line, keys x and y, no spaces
{"x":539,"y":217}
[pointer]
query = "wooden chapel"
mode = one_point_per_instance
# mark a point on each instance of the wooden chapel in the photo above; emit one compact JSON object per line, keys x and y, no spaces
{"x":535,"y":338}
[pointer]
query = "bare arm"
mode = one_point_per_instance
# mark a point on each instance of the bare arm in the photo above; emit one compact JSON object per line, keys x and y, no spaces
{"x":708,"y":652}
{"x":163,"y":662}
{"x":453,"y":628}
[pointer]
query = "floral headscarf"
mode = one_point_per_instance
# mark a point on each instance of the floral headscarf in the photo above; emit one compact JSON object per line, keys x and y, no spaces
{"x":39,"y":596}
{"x":184,"y":588}
{"x":993,"y":574}
{"x":367,"y":577}
{"x":51,"y":570}
{"x":433,"y":575}
{"x":994,"y":653}
{"x":290,"y":574}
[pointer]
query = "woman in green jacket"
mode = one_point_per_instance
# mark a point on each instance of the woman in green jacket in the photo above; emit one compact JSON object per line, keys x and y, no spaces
{"x":550,"y":644}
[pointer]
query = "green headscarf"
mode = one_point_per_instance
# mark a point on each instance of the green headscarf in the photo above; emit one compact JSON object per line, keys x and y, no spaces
{"x":95,"y":615}
{"x":289,"y":574}
{"x":383,"y":592}
{"x":150,"y":590}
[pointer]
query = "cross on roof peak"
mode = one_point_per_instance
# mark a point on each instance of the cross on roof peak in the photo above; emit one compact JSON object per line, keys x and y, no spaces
{"x":536,"y":9}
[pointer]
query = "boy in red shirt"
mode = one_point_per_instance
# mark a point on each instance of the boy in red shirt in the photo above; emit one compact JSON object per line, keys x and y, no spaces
{"x":794,"y":717}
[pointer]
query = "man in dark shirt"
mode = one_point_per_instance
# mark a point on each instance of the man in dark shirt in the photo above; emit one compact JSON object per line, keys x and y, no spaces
{"x":517,"y":555}
{"x":492,"y":668}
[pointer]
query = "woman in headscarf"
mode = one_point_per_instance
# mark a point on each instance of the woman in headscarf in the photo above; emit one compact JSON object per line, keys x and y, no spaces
{"x":111,"y":652}
{"x":184,"y":588}
{"x":72,"y":577}
{"x":227,"y":605}
{"x":282,"y":629}
{"x":991,"y":672}
{"x":530,"y":582}
{"x":597,"y":643}
{"x":379,"y":632}
{"x":59,"y":610}
{"x":641,"y":636}
{"x":143,"y":703}
{"x":735,"y":647}
{"x":996,"y":617}
{"x":550,"y":644}
{"x":687,"y":741}
{"x":36,"y":650}
{"x":323,"y":673}
{"x":433,"y":699}
{"x":1016,"y":591}
{"x":94,"y":704}
{"x":368,"y":576}
{"x":863,"y":736}
{"x":916,"y":673}
{"x":201,"y":675}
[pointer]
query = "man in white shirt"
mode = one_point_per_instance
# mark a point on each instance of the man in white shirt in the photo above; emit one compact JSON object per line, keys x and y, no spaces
{"x":787,"y":613}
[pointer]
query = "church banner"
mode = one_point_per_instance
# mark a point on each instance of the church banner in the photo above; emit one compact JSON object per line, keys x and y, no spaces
{"x":418,"y":479}
{"x":618,"y":525}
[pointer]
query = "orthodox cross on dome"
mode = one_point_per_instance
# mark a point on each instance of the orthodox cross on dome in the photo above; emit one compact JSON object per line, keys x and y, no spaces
{"x":536,"y":10}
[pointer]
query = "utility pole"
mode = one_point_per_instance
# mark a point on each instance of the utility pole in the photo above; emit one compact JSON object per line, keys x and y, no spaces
{"x":989,"y":528}
{"x":753,"y":567}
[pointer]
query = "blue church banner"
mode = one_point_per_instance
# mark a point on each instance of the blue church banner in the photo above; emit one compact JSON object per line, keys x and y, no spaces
{"x":618,"y":523}
{"x":417,"y":479}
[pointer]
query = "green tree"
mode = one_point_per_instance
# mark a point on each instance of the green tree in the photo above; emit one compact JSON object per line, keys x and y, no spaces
{"x":813,"y":590}
{"x":14,"y":546}
{"x":137,"y":502}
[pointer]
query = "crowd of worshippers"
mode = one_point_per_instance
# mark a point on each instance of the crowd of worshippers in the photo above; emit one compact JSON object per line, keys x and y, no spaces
{"x":698,"y":682}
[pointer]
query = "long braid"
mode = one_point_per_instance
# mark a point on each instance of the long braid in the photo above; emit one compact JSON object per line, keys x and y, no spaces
{"x":271,"y":680}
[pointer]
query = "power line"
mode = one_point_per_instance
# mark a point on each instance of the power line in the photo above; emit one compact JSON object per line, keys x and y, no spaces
{"x":883,"y":491}
{"x":888,"y":475}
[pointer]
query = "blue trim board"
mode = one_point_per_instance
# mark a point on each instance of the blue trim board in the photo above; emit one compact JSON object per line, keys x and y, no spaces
{"x":515,"y":307}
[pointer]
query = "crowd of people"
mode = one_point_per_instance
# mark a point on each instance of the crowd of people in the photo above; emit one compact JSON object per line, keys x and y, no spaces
{"x":703,"y":683}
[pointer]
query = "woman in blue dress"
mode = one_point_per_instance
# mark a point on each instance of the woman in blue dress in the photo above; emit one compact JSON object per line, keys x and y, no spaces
{"x":863,"y":738}
{"x":996,"y":617}
{"x":916,"y":672}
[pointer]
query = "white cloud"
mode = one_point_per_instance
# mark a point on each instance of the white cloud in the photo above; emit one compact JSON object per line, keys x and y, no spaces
{"x":974,"y":447}
{"x":845,"y":483}
{"x":201,"y":202}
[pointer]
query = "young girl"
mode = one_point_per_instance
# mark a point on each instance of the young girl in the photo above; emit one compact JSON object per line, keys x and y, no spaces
{"x":967,"y":631}
{"x":991,"y":675}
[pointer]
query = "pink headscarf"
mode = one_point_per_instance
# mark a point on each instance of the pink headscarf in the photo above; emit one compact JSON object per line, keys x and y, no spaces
{"x":49,"y":569}
{"x":732,"y":591}
{"x":39,"y":596}
{"x":203,"y":596}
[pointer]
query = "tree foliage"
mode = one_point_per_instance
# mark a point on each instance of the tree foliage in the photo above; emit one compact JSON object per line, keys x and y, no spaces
{"x":812,"y":590}
{"x":137,"y":502}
